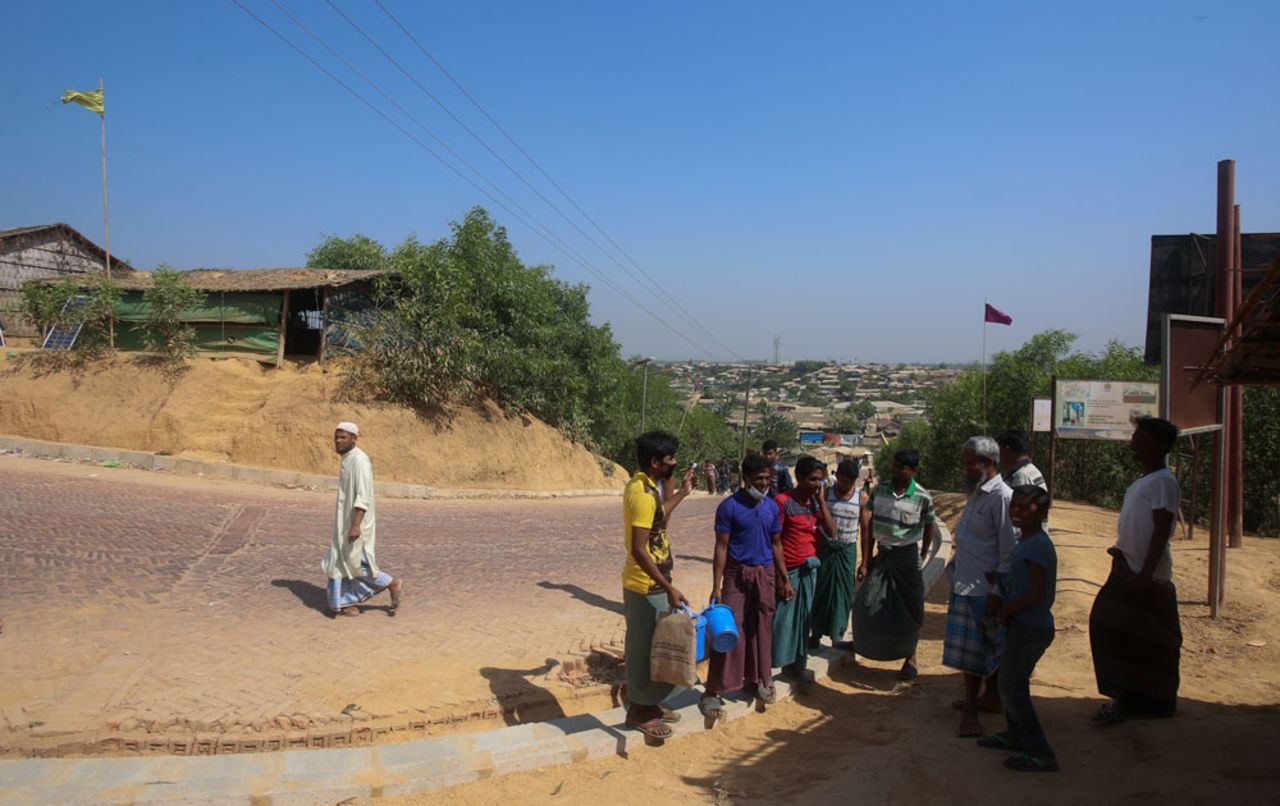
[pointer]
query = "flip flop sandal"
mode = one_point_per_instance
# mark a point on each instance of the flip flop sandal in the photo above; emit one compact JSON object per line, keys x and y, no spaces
{"x":396,"y":596}
{"x":909,"y":672}
{"x":998,"y":741}
{"x":1025,"y":762}
{"x":347,"y":612}
{"x":767,"y":694}
{"x":969,"y":730}
{"x":712,"y":707}
{"x":669,"y":716}
{"x":654,"y":728}
{"x":1109,"y":714}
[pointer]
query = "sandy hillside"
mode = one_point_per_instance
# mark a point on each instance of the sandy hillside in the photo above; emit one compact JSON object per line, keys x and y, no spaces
{"x":239,"y":411}
{"x":862,"y":737}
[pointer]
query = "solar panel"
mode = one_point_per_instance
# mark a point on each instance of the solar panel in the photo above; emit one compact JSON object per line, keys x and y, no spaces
{"x":63,"y":335}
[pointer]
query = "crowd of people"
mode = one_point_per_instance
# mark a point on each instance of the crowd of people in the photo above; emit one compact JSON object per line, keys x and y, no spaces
{"x":806,"y":559}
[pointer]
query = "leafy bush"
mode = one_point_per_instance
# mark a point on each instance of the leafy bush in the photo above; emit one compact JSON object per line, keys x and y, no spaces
{"x":170,"y":294}
{"x":464,"y":319}
{"x":43,"y":303}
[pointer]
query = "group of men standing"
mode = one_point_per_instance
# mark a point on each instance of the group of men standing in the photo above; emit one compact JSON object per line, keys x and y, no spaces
{"x":796,"y":560}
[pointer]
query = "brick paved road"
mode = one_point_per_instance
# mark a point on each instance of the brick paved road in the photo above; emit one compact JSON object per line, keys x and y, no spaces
{"x":143,"y":610}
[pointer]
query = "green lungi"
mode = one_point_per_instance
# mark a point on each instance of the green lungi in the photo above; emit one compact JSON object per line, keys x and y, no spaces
{"x":641,"y":613}
{"x":833,"y":594}
{"x":888,"y":610}
{"x":792,"y":619}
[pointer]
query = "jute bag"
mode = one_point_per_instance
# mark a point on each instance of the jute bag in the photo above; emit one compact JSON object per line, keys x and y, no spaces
{"x":673,"y":655}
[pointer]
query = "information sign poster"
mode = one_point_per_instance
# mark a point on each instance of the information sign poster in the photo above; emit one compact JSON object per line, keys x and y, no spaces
{"x":1103,"y":409}
{"x":1042,"y":414}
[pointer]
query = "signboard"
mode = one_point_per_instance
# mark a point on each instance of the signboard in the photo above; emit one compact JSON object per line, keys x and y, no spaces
{"x":1188,"y":344}
{"x":1042,"y":414}
{"x":1103,"y":409}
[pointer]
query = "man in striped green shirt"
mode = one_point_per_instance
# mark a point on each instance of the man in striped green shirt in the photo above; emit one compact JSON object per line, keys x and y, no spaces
{"x":888,"y":610}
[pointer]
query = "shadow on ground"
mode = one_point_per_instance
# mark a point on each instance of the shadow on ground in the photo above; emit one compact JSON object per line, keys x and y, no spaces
{"x":309,"y":593}
{"x":584,"y":595}
{"x":520,"y":699}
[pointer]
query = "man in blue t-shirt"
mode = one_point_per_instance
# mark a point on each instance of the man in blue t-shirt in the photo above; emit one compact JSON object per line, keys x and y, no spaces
{"x":748,"y":548}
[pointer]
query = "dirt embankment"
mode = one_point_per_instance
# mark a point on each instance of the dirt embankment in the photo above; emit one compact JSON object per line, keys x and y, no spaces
{"x":242,"y":412}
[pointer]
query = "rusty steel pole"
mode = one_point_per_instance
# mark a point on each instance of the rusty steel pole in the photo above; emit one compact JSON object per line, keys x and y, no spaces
{"x":1235,"y":394}
{"x":1224,"y":247}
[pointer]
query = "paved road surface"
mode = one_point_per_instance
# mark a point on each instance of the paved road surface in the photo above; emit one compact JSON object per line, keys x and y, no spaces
{"x":140,"y":607}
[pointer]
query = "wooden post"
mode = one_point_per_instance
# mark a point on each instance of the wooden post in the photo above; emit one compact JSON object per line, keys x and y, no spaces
{"x":1195,"y":485}
{"x":1053,"y":434}
{"x":284,"y":321}
{"x":324,"y":321}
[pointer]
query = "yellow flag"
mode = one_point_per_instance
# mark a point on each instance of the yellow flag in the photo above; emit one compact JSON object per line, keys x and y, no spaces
{"x":91,"y":100}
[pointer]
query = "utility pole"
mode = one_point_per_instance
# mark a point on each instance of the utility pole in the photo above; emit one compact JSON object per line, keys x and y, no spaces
{"x":644,"y":391}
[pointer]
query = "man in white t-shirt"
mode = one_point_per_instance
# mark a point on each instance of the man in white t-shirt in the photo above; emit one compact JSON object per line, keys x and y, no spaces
{"x":1134,"y":630}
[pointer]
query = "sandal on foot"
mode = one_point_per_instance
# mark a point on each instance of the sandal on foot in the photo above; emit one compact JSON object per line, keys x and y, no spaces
{"x":396,"y":595}
{"x":1025,"y":762}
{"x":1109,"y":714}
{"x":766,"y":694}
{"x":969,"y":729}
{"x":998,"y":741}
{"x":712,"y":707}
{"x":654,"y":728}
{"x":669,"y":716}
{"x":908,"y":672}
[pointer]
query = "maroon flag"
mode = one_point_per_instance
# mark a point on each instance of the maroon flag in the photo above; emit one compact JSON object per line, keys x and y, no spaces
{"x":998,"y":316}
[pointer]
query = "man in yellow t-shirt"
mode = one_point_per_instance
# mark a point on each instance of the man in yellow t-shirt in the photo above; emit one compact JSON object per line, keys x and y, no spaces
{"x":647,"y":591}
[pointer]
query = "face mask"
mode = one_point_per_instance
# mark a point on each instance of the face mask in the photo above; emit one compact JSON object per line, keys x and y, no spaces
{"x":755,"y":494}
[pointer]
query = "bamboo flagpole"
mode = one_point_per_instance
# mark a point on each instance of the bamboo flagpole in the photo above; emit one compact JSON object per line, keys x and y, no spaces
{"x":95,"y":102}
{"x":106,"y":223}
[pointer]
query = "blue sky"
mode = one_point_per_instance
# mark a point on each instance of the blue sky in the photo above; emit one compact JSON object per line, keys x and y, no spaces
{"x":854,"y":177}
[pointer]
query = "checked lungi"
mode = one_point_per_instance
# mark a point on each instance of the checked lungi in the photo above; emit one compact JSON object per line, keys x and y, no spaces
{"x":972,"y":642}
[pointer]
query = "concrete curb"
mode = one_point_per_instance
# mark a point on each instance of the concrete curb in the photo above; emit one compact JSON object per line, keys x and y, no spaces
{"x":40,"y":449}
{"x":327,"y":776}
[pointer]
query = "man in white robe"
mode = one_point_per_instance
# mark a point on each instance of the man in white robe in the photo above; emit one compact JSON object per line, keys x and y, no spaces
{"x":352,"y":564}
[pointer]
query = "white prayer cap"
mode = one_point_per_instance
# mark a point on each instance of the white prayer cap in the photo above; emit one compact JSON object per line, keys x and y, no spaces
{"x":349,"y":427}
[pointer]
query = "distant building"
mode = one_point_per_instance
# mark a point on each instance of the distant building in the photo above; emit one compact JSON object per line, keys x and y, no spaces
{"x":43,"y":252}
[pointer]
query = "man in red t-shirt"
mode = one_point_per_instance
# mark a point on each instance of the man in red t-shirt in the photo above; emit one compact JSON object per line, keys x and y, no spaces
{"x":802,"y":512}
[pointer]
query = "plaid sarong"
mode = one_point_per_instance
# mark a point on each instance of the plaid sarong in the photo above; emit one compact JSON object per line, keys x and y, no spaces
{"x":972,"y":642}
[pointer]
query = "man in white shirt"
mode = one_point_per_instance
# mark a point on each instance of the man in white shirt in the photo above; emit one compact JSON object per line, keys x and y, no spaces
{"x":1134,"y":630}
{"x":984,"y":539}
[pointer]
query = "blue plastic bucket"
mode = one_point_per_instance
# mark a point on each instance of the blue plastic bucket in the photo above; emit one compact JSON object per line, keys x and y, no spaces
{"x":722,"y":630}
{"x":701,"y":623}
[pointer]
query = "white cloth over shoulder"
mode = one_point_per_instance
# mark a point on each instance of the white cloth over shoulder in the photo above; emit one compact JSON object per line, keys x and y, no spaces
{"x":1158,"y":490}
{"x":355,"y":491}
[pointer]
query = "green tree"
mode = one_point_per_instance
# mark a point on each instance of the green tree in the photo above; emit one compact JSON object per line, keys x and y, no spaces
{"x":843,"y":421}
{"x":776,"y":427}
{"x":863,"y":410}
{"x":356,"y":252}
{"x":170,"y":294}
{"x":43,"y":303}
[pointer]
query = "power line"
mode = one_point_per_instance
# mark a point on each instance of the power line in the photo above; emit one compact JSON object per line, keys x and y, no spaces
{"x":654,"y":286}
{"x":604,"y":278}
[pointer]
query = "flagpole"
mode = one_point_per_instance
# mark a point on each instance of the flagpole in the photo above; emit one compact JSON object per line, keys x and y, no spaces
{"x":984,"y":363}
{"x":106,"y":222}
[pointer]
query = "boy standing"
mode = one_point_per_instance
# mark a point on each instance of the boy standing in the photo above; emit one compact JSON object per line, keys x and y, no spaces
{"x":1026,"y":612}
{"x":748,"y":549}
{"x":647,"y":591}
{"x":802,"y":511}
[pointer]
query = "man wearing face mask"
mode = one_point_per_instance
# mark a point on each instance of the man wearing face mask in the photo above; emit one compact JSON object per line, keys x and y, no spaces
{"x":984,"y":540}
{"x":748,"y":548}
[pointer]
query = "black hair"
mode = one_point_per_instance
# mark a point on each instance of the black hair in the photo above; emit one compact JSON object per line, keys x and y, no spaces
{"x":806,"y":465}
{"x":753,"y":463}
{"x":1037,"y":496}
{"x":908,"y":457}
{"x":769,"y":445}
{"x":1015,"y":441}
{"x":847,"y":467}
{"x":654,"y":445}
{"x":1164,"y":432}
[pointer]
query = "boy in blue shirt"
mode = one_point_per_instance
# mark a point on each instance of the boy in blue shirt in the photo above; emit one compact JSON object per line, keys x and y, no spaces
{"x":1026,"y":613}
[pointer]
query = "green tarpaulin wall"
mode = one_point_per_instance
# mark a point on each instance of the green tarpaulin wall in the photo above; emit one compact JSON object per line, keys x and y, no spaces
{"x":225,"y":322}
{"x":232,"y":306}
{"x":238,"y":338}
